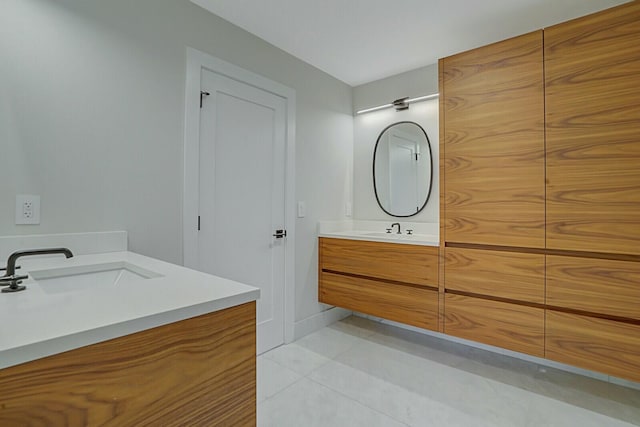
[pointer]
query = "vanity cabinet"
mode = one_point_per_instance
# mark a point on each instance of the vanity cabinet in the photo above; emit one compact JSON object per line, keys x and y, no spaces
{"x":540,"y":241}
{"x":394,"y":281}
{"x":198,"y":371}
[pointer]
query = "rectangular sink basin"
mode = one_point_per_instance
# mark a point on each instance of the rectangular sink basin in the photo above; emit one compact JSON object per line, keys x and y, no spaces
{"x":393,"y":236}
{"x":405,"y":237}
{"x":77,"y":279}
{"x":388,"y":235}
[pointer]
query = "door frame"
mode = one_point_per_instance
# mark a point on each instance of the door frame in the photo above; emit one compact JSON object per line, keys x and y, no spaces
{"x":196,"y":61}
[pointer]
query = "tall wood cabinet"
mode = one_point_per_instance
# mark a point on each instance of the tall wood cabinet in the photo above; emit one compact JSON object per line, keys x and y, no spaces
{"x":592,"y":69}
{"x":592,"y":97}
{"x":494,"y":144}
{"x":540,"y":141}
{"x":494,"y":193}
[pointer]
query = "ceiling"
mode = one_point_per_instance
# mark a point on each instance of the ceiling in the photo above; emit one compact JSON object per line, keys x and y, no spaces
{"x":359,"y":41}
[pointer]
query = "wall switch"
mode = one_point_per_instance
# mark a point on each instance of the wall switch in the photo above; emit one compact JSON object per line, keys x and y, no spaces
{"x":302,"y":209}
{"x":27,"y":209}
{"x":348,"y":209}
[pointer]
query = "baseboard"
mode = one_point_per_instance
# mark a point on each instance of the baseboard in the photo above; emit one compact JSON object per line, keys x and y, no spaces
{"x":319,"y":321}
{"x":505,"y":352}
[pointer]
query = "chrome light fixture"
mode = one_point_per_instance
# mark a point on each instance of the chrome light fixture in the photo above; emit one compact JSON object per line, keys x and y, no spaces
{"x":400,"y":104}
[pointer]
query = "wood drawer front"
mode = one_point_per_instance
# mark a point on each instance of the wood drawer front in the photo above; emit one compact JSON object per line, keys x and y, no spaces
{"x":592,"y":116}
{"x":405,"y":304}
{"x":595,"y":285}
{"x":597,"y":344}
{"x":514,"y":327}
{"x":511,"y":275}
{"x":392,"y":261}
{"x":493,"y":112}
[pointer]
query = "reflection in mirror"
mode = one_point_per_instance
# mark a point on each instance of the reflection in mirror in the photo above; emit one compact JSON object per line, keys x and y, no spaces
{"x":402,"y":169}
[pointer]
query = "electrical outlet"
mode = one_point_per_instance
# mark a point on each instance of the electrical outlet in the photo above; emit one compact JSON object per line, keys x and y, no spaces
{"x":27,"y":209}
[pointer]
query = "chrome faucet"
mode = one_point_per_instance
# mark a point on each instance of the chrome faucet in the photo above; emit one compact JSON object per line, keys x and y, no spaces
{"x":398,"y":224}
{"x":11,"y":280}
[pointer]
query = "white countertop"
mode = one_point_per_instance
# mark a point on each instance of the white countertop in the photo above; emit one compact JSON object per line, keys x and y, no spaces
{"x":35,"y":323}
{"x":406,"y":239}
{"x":425,"y":234}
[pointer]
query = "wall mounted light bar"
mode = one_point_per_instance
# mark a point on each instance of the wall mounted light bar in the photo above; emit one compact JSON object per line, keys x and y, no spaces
{"x":399,"y":104}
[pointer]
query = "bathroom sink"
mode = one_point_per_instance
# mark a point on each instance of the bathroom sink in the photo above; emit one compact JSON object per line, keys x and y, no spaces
{"x":400,"y":237}
{"x":79,"y":278}
{"x":387,"y":235}
{"x":391,"y":236}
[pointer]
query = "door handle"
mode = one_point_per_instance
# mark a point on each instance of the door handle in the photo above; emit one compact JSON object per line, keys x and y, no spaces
{"x":280,"y":234}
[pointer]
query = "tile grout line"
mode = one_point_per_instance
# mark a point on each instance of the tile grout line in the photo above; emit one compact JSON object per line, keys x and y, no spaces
{"x":356,"y":401}
{"x":280,"y":391}
{"x":329,"y":360}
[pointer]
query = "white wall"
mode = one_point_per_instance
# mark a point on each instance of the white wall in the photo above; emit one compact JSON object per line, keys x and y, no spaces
{"x":91,"y":119}
{"x":367,"y":127}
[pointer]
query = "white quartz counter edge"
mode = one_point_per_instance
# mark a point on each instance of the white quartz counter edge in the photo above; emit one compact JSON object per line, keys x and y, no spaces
{"x":36,"y":324}
{"x":404,"y":239}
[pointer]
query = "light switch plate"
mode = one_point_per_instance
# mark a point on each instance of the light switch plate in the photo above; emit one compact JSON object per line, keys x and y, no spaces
{"x":27,"y":209}
{"x":348,"y":209}
{"x":302,"y":209}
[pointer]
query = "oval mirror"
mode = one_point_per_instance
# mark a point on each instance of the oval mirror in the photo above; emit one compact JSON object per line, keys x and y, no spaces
{"x":402,"y":169}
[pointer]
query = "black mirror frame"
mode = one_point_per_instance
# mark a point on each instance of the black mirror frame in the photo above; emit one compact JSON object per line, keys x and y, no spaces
{"x":375,"y":189}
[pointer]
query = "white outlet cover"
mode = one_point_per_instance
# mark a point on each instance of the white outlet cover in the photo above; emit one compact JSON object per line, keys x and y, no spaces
{"x":27,"y":209}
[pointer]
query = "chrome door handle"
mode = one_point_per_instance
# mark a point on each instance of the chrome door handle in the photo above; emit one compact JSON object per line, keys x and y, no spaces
{"x":280,"y":234}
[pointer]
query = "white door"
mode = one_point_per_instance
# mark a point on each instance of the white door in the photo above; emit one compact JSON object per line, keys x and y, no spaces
{"x":242,"y":190}
{"x":403,"y":181}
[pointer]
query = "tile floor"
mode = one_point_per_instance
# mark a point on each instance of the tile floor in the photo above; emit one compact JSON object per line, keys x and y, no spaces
{"x":362,"y":373}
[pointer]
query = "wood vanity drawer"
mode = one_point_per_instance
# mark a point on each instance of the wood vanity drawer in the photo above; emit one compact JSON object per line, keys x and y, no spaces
{"x":414,"y":264}
{"x":598,"y":344}
{"x":511,"y":326}
{"x":596,"y":285}
{"x":412,"y":305}
{"x":518,"y":276}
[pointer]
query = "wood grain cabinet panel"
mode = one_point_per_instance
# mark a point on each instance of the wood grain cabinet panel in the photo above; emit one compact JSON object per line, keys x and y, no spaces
{"x":514,"y":327}
{"x":597,"y":344}
{"x":562,"y":206}
{"x":407,"y":304}
{"x":511,"y":275}
{"x":601,"y":286}
{"x":592,"y":67}
{"x":494,"y":144}
{"x":197,"y":372}
{"x":413,"y":264}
